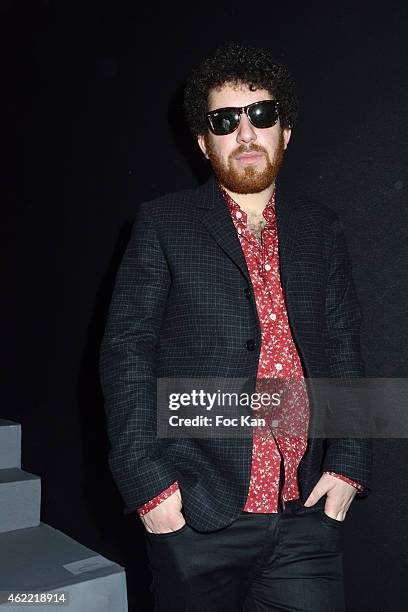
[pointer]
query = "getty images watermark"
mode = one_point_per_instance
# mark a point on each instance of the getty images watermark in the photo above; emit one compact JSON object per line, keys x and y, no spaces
{"x":321,"y":408}
{"x":225,"y":407}
{"x":208,"y":401}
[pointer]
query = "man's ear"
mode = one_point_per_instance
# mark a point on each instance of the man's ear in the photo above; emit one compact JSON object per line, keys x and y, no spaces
{"x":287,"y":133}
{"x":202,"y":144}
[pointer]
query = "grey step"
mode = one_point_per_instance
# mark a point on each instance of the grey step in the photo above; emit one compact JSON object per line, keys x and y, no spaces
{"x":10,"y":444}
{"x":20,"y":499}
{"x":44,"y":560}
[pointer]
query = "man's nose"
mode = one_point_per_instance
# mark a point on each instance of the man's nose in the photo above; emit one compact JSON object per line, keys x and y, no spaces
{"x":245,"y":132}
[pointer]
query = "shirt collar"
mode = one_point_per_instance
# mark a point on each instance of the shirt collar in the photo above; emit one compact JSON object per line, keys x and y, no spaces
{"x":239,"y":216}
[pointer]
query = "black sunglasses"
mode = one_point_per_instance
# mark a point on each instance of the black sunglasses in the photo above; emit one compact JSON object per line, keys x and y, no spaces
{"x":263,"y":114}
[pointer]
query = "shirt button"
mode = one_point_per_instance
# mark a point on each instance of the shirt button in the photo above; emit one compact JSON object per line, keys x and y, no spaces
{"x":273,"y":317}
{"x":238,"y":214}
{"x":278,"y":366}
{"x":250,"y":344}
{"x":267,"y":267}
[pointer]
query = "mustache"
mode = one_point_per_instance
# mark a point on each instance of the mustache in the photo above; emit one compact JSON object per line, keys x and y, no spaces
{"x":249,"y":149}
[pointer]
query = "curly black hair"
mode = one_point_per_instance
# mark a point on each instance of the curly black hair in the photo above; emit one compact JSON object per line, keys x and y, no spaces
{"x":238,"y":64}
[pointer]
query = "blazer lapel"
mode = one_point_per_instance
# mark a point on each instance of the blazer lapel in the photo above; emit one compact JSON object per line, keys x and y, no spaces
{"x":287,"y":230}
{"x":217,"y":219}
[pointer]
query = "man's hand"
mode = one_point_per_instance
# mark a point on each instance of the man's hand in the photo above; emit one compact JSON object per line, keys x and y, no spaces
{"x":165,"y":517}
{"x":340,"y":494}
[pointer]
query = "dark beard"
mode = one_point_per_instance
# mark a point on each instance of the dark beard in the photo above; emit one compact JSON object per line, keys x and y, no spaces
{"x":250,"y":180}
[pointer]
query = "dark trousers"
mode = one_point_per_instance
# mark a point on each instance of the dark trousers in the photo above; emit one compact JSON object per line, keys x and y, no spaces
{"x":283,"y":562}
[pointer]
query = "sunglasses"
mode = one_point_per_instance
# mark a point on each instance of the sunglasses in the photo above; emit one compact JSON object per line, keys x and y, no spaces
{"x":223,"y":121}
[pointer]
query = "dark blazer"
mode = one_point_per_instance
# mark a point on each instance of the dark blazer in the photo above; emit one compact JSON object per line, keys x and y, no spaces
{"x":180,"y":308}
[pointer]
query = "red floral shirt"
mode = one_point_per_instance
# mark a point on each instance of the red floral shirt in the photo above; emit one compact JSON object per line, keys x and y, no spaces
{"x":279,"y":360}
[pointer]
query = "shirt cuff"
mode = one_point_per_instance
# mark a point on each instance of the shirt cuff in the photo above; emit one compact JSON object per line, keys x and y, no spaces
{"x":158,"y":499}
{"x":355,"y":484}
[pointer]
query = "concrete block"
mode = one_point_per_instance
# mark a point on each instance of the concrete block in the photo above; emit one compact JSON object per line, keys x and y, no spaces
{"x":44,"y":560}
{"x":10,"y":444}
{"x":20,"y":499}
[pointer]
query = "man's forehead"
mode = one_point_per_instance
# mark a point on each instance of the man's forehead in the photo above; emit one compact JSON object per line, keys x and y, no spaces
{"x":236,"y":94}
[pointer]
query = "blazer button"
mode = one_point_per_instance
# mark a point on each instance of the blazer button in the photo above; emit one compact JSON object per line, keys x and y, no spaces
{"x":247,"y":293}
{"x":250,"y":344}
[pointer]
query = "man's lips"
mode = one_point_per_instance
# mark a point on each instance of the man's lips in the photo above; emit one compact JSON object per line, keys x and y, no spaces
{"x":249,"y":158}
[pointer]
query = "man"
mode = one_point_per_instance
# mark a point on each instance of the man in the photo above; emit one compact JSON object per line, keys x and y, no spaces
{"x":235,"y":279}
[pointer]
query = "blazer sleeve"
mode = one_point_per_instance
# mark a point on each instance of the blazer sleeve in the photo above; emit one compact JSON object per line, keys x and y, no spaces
{"x":351,"y":456}
{"x":127,"y":367}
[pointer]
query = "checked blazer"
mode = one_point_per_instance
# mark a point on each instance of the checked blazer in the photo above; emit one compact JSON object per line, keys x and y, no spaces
{"x":180,"y":308}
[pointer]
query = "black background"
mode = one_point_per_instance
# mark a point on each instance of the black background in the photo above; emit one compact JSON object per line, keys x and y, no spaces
{"x":91,"y":127}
